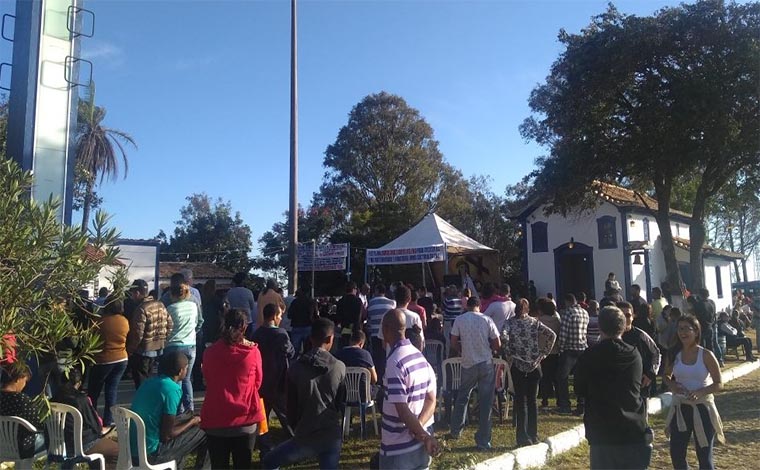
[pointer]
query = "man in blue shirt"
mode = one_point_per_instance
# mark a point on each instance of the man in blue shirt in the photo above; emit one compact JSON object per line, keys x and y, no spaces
{"x":157,"y":401}
{"x":354,"y":355}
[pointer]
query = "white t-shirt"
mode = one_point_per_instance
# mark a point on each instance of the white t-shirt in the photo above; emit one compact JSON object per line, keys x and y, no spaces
{"x":475,"y":331}
{"x":500,"y":312}
{"x":412,"y":318}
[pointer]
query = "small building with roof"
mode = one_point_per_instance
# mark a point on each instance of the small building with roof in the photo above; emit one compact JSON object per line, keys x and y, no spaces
{"x":575,"y":253}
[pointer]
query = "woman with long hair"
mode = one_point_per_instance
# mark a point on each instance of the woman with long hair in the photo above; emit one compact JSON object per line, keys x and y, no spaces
{"x":529,"y":341}
{"x":93,"y":439}
{"x":232,"y":408}
{"x":692,"y":373}
{"x":187,"y":322}
{"x":111,"y":361}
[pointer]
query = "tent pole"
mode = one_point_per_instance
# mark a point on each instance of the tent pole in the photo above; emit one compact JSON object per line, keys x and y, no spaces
{"x":366,"y":265}
{"x":446,"y":259}
{"x":348,"y":262}
{"x":423,"y":275}
{"x":313,"y":263}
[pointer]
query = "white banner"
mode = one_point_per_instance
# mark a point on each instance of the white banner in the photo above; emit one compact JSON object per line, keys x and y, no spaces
{"x":424,"y":254}
{"x":322,"y":257}
{"x":306,"y":250}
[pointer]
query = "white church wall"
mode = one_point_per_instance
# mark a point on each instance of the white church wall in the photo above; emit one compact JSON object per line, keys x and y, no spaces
{"x":583,"y":229}
{"x":721,"y":296}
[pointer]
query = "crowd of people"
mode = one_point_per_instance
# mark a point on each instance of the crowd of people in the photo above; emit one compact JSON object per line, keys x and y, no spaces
{"x":236,"y":347}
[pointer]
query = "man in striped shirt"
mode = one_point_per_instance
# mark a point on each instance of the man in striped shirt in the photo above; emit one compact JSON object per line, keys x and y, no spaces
{"x":378,"y":306}
{"x":452,"y":308}
{"x":409,"y":403}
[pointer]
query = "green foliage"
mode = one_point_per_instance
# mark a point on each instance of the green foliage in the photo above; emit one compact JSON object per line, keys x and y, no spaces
{"x":42,"y":266}
{"x":209,"y":231}
{"x":652,"y":101}
{"x":384,"y":171}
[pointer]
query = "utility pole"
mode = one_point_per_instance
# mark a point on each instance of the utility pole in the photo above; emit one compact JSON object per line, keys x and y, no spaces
{"x":293,"y":213}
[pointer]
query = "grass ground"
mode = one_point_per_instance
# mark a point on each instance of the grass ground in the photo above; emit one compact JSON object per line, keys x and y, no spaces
{"x":457,"y":454}
{"x":739,"y":408}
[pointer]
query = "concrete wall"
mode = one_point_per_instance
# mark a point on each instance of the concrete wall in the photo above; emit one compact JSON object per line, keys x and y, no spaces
{"x":140,"y":261}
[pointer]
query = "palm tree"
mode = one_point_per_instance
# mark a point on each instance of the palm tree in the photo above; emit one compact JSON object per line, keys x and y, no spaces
{"x":98,"y":149}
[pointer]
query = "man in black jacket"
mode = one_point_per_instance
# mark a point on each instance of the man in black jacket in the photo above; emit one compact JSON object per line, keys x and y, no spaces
{"x":316,"y":400}
{"x":645,"y":345}
{"x":608,"y":375}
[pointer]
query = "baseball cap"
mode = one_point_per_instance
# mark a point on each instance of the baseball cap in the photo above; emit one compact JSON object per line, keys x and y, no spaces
{"x":139,"y":284}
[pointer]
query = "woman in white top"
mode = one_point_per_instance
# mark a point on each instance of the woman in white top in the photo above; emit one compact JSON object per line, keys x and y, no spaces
{"x":693,"y":375}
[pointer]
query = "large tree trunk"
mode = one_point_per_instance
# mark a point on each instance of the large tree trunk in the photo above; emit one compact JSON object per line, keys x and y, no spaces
{"x":696,"y":264}
{"x":87,"y":206}
{"x":697,"y":238}
{"x":662,"y":216}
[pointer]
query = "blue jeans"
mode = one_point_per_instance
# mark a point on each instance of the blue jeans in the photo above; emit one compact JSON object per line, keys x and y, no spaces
{"x":483,"y":376}
{"x":110,"y":376}
{"x":187,"y":383}
{"x":679,"y":441}
{"x":567,"y":360}
{"x":719,"y":352}
{"x":417,"y":459}
{"x":291,"y":451}
{"x":298,"y":335}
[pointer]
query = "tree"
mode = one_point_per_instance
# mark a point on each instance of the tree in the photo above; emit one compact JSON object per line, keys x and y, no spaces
{"x":645,"y":101}
{"x":735,"y":219}
{"x":209,"y":231}
{"x":98,"y":149}
{"x":43,"y":264}
{"x":383,"y":171}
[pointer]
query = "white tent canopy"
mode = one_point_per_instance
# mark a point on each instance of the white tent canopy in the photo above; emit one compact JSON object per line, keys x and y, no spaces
{"x":432,"y":239}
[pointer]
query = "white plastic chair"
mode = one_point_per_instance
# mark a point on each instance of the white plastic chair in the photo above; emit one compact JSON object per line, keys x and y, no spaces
{"x":451,"y":370}
{"x":354,"y":399}
{"x":434,"y":353}
{"x":9,"y":451}
{"x":56,"y":427}
{"x":122,"y":417}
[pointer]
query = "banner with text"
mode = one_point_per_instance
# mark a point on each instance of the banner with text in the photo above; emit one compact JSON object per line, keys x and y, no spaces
{"x":424,"y":254}
{"x":322,"y":257}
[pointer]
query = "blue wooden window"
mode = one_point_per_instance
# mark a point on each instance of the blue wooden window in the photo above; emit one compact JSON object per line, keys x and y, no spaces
{"x":646,"y":229}
{"x":539,"y":237}
{"x":719,"y":282}
{"x":607,"y":232}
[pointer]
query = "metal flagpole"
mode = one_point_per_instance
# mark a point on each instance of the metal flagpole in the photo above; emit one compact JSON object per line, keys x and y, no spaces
{"x":293,"y":215}
{"x":313,"y":262}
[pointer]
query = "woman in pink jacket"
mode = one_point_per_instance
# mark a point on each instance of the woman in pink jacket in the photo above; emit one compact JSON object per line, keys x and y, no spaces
{"x":232,"y":408}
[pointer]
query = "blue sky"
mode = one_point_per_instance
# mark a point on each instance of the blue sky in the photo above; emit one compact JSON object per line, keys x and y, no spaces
{"x":203,"y":87}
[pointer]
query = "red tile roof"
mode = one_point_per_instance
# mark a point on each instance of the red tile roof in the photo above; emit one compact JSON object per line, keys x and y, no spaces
{"x":707,"y":249}
{"x":96,"y":254}
{"x":620,"y":196}
{"x":201,"y":270}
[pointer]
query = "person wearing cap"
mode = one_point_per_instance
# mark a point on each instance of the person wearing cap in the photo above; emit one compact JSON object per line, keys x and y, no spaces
{"x":149,"y":325}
